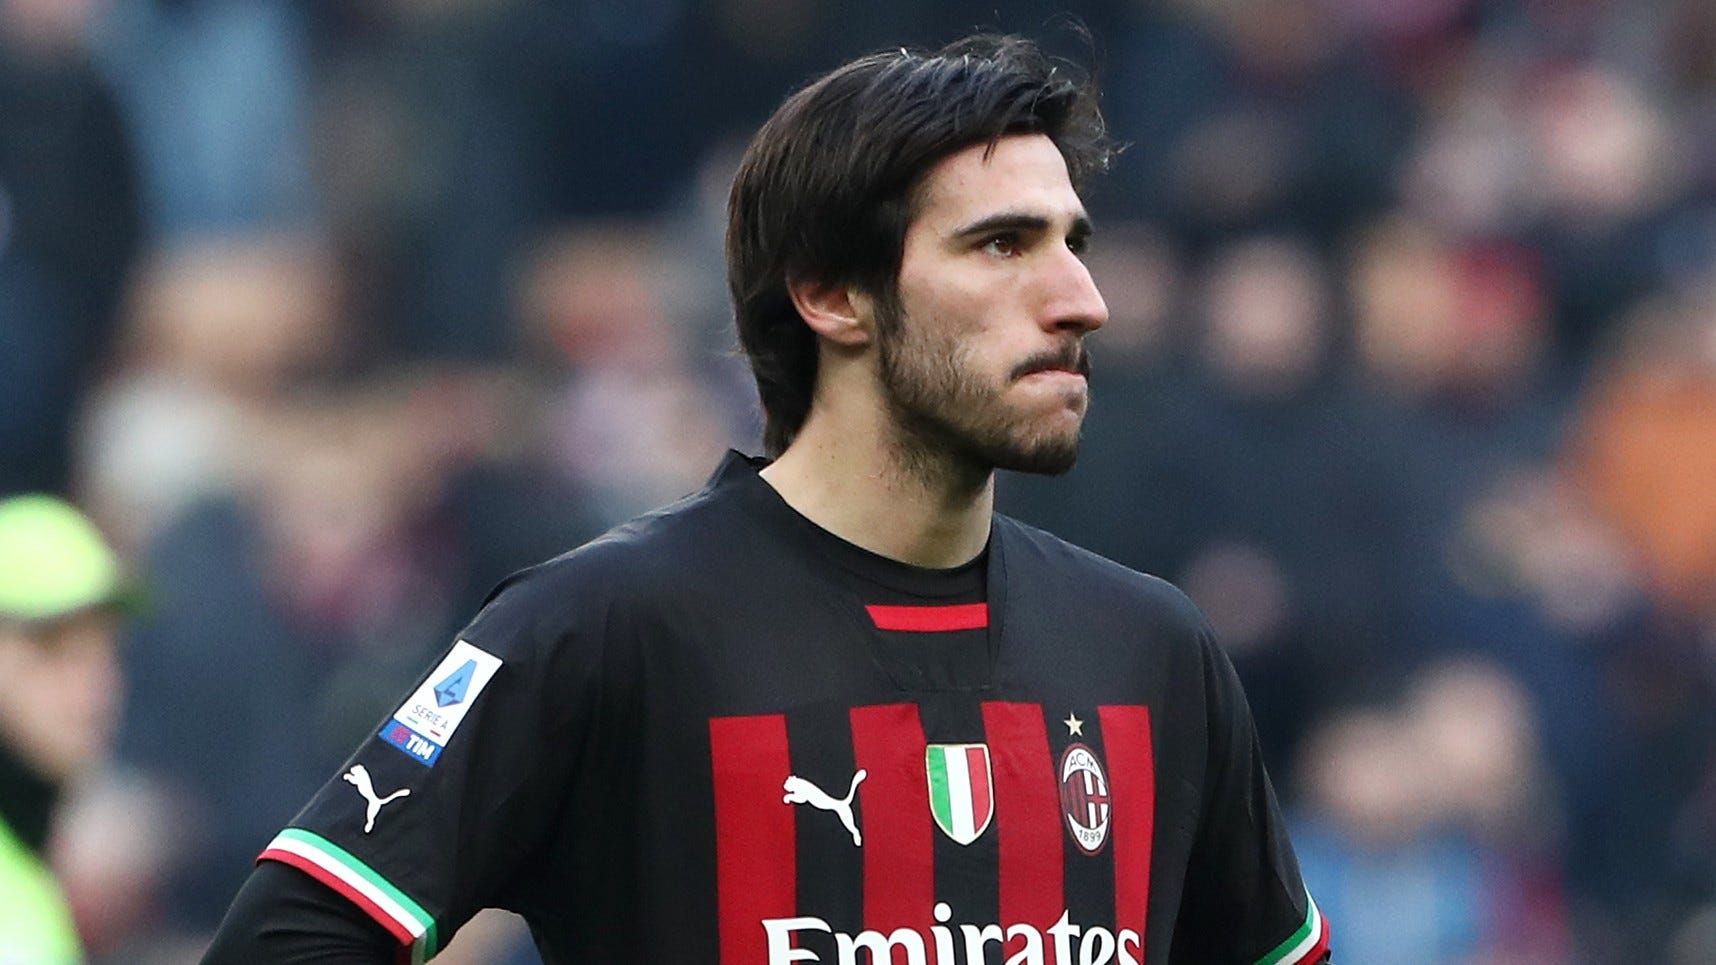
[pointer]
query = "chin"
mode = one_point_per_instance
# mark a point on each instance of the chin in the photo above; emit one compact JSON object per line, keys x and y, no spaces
{"x":1049,"y":462}
{"x":1041,"y":456}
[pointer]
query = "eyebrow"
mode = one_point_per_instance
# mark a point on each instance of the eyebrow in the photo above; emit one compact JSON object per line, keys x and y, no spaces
{"x":1021,"y":221}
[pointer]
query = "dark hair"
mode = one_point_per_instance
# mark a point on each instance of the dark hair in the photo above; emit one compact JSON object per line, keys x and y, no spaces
{"x":827,"y":187}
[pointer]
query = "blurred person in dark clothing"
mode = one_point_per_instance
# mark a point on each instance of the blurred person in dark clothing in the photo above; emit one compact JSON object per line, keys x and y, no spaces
{"x":69,"y":226}
{"x":424,"y":119}
{"x":1536,"y":583}
{"x":1645,"y":448}
{"x":628,"y":419}
{"x":483,"y":113}
{"x":1640,"y":456}
{"x":1457,"y":381}
{"x":1425,"y":816}
{"x":215,"y":96}
{"x":60,"y":587}
{"x":353,"y":543}
{"x":1291,"y":525}
{"x":217,"y":330}
{"x":1256,"y":117}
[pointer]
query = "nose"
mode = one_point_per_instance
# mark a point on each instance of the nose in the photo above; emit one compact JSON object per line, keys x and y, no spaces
{"x":1073,"y":303}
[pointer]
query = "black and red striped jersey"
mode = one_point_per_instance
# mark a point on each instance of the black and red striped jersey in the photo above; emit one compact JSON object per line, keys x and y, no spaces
{"x":716,"y":734}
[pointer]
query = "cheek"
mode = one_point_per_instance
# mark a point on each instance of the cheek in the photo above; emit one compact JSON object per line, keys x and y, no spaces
{"x":955,"y":295}
{"x":21,"y":667}
{"x":959,"y":320}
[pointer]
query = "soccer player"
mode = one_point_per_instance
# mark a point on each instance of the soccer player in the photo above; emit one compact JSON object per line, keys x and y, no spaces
{"x":832,"y":708}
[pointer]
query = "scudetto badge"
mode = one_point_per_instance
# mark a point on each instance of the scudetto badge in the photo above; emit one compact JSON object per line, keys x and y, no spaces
{"x":961,"y":789}
{"x":1084,"y":798}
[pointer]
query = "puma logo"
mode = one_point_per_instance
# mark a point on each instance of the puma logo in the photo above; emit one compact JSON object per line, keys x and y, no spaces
{"x":358,"y":777}
{"x":800,"y":791}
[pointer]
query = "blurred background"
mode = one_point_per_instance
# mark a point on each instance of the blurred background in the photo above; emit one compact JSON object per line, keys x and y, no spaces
{"x":334,"y":312}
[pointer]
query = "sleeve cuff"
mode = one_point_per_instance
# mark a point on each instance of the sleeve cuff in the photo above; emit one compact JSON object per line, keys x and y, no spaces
{"x":337,"y":868}
{"x":1307,"y":944}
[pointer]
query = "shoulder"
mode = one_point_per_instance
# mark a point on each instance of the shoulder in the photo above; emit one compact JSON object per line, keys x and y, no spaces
{"x":1040,"y":559}
{"x":639,"y":563}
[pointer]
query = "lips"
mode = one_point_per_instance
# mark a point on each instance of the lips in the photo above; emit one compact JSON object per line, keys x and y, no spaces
{"x":1071,"y":361}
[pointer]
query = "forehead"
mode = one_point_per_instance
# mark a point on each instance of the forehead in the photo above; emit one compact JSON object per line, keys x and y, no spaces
{"x":54,"y":637}
{"x":1022,"y":172}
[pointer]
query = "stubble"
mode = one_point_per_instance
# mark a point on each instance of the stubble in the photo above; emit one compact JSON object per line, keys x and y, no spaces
{"x":951,"y":423}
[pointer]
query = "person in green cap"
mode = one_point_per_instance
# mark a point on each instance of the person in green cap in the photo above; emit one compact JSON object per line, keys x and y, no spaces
{"x":61,"y":593}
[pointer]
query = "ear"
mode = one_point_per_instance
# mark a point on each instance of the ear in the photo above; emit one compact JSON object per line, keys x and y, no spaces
{"x":835,"y":312}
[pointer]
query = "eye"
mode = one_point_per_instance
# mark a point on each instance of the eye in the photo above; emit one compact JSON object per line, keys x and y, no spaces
{"x":1078,"y":244}
{"x":1004,"y":245}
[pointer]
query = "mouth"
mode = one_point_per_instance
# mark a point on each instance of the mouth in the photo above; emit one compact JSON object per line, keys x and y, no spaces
{"x":1047,"y":375}
{"x":1071,"y":361}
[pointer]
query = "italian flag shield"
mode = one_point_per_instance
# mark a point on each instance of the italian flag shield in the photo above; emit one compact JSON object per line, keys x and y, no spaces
{"x":961,"y":793}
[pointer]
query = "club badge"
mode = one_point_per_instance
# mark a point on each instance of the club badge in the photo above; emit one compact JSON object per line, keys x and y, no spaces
{"x":1084,"y":798}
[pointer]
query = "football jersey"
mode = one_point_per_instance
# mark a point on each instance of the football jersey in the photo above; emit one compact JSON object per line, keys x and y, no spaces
{"x":699,"y":738}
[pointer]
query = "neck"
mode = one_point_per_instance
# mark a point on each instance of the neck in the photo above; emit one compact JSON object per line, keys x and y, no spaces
{"x":27,"y":799}
{"x":897,"y":497}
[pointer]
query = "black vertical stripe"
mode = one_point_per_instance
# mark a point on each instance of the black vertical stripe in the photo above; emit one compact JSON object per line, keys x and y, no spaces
{"x":1089,"y":877}
{"x":967,"y":877}
{"x":830,"y":867}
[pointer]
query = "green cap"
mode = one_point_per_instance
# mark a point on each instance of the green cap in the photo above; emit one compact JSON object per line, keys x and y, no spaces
{"x":53,"y":561}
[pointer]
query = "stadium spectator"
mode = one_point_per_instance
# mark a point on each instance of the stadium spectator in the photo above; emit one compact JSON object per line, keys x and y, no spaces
{"x":1442,"y":859}
{"x":218,"y":330}
{"x":69,"y":228}
{"x":628,"y":421}
{"x":60,"y":586}
{"x":215,"y":97}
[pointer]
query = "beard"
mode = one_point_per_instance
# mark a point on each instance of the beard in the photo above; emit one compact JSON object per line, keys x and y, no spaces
{"x":944,"y":409}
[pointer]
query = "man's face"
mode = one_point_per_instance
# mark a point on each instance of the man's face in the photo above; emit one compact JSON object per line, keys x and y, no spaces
{"x":983,"y":355}
{"x":62,"y":693}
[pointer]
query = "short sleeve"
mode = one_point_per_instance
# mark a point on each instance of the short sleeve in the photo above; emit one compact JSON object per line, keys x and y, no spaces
{"x":1244,"y":900}
{"x":442,"y":807}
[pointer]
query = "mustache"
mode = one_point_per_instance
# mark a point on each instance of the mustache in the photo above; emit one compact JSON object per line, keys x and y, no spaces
{"x":1071,"y":357}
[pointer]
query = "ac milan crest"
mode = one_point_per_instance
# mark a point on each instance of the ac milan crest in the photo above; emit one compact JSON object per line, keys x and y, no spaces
{"x":962,"y":795}
{"x":1084,"y":798}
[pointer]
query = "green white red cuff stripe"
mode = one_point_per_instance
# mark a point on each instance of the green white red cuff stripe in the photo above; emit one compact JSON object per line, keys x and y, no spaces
{"x":1305,"y":945}
{"x":335,"y":867}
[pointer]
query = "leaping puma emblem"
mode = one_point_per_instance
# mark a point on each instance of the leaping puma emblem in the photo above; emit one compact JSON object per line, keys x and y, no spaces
{"x":800,"y":791}
{"x":358,"y":777}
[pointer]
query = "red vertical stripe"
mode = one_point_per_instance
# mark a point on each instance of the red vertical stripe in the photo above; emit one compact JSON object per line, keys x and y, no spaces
{"x":977,"y":765}
{"x":1028,"y":814}
{"x":899,"y":844}
{"x":1132,"y":793}
{"x":756,"y":859}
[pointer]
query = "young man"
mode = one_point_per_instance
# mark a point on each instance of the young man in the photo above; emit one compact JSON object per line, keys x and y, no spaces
{"x":832,"y":708}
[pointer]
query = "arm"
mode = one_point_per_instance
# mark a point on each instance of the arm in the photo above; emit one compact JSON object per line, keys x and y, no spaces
{"x":445,"y":808}
{"x":1244,"y":900}
{"x":282,"y":915}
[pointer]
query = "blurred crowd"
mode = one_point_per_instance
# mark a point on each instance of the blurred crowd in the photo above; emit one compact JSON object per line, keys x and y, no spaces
{"x":334,"y":312}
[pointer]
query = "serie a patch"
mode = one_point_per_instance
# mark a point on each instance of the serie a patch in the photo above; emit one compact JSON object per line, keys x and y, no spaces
{"x":421,"y":727}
